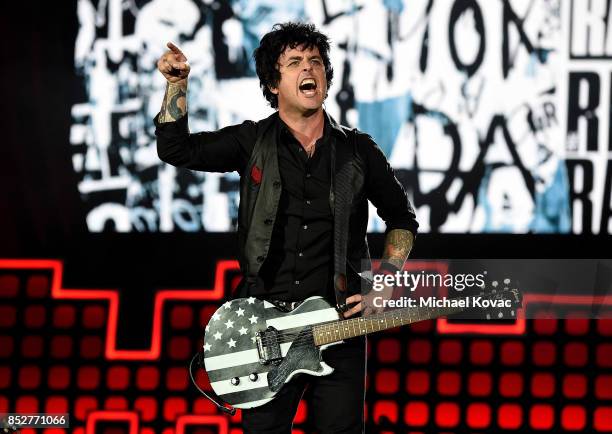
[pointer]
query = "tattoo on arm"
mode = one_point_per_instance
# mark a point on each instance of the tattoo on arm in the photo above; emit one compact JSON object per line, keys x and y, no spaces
{"x":398,"y":244}
{"x":174,"y":105}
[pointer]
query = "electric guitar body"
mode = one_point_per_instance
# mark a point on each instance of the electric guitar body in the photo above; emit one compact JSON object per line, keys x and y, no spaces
{"x":252,"y":348}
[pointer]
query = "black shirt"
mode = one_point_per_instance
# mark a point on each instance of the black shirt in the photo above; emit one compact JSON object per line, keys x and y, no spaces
{"x":300,"y":259}
{"x":304,"y":223}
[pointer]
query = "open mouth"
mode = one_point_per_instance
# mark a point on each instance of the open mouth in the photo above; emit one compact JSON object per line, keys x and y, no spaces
{"x":308,"y":86}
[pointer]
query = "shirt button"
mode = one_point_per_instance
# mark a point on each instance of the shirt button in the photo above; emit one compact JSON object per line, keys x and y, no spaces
{"x":305,"y":227}
{"x":307,"y":202}
{"x":297,"y":282}
{"x":308,"y":175}
{"x":300,"y":254}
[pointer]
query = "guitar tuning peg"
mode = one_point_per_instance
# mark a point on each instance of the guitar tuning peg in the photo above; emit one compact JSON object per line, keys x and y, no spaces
{"x":488,"y":316}
{"x":506,"y":281}
{"x":500,"y":315}
{"x":494,"y":284}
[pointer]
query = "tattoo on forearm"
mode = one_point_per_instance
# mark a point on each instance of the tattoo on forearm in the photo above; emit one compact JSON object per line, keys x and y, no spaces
{"x":398,"y":244}
{"x":174,"y":105}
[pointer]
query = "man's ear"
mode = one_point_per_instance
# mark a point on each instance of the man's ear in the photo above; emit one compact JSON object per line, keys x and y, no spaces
{"x":273,"y":89}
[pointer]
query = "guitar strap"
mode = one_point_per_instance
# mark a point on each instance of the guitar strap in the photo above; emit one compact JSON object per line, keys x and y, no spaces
{"x":340,"y":198}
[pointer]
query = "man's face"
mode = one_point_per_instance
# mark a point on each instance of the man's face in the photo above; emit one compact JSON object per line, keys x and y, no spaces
{"x":303,"y":86}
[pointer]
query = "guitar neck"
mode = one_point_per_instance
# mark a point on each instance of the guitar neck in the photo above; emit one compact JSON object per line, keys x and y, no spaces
{"x":338,"y":330}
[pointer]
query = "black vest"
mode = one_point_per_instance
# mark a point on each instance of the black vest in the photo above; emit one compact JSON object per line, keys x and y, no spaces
{"x":260,"y":191}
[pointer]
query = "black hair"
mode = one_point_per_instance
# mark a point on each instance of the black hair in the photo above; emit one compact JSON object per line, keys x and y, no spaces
{"x":274,"y":43}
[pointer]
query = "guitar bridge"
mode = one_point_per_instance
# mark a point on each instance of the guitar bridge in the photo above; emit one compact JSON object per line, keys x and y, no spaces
{"x":268,"y":346}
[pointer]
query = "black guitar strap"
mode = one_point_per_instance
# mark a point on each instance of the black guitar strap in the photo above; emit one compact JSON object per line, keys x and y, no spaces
{"x":340,"y":198}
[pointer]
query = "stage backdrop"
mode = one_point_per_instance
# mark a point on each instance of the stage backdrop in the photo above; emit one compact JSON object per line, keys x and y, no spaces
{"x":495,"y":114}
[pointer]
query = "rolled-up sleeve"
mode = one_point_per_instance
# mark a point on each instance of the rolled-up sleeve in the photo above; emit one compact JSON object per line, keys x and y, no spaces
{"x":224,"y":150}
{"x":384,"y":190}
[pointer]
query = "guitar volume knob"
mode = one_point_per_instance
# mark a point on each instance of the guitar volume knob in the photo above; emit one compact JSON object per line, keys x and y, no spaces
{"x":235,"y":381}
{"x":253,"y":377}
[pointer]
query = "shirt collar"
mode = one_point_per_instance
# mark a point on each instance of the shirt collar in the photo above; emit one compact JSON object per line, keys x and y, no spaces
{"x":330,"y":126}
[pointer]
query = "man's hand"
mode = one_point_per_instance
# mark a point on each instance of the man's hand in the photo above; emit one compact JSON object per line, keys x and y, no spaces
{"x":173,"y":64}
{"x":366,"y":302}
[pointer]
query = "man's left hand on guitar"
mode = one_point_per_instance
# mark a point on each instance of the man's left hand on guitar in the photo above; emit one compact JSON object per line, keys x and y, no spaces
{"x":365,"y":302}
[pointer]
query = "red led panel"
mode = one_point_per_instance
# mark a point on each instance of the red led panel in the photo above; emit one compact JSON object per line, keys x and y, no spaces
{"x":417,"y":382}
{"x":603,"y":387}
{"x":604,"y":326}
{"x":116,"y":403}
{"x":84,"y":405}
{"x":512,"y":353}
{"x":180,"y":348}
{"x":542,"y":385}
{"x":511,"y":384}
{"x":604,"y":355}
{"x":177,"y":378}
{"x":478,"y":415}
{"x":449,"y":383}
{"x":575,"y":354}
{"x":96,"y":417}
{"x":219,"y":422}
{"x":94,"y":317}
{"x":543,"y":353}
{"x":9,"y":286}
{"x":181,"y":317}
{"x":147,"y":378}
{"x":576,"y":326}
{"x":6,"y":346}
{"x":388,"y":350}
{"x":29,"y":377}
{"x":147,"y":407}
{"x":8,"y":316}
{"x":510,"y":416}
{"x":447,"y":415}
{"x":5,"y":377}
{"x":545,"y":326}
{"x":387,"y":409}
{"x":387,"y":381}
{"x":32,"y":346}
{"x":416,"y":413}
{"x":59,"y":377}
{"x":542,"y":416}
{"x":56,"y":404}
{"x":118,"y":377}
{"x":574,"y":386}
{"x":64,"y":316}
{"x":450,"y":351}
{"x":174,"y":407}
{"x":573,"y":418}
{"x":91,"y":347}
{"x":481,"y":352}
{"x":61,"y":347}
{"x":34,"y":316}
{"x":602,"y":419}
{"x":37,"y":286}
{"x":88,"y":377}
{"x":26,"y":404}
{"x":419,"y":351}
{"x":479,"y":384}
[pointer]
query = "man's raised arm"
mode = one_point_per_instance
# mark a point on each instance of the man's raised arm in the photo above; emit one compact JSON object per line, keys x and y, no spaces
{"x":175,"y":69}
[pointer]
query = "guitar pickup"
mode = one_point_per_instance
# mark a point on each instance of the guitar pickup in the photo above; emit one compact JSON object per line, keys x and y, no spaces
{"x":268,"y":346}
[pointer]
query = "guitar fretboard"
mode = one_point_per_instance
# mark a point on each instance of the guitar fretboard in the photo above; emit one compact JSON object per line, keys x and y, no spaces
{"x":336,"y":331}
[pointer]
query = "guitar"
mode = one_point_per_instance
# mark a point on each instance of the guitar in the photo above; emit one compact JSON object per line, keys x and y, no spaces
{"x":252,"y":348}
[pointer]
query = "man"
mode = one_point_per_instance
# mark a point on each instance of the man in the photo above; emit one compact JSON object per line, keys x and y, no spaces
{"x":305,"y":183}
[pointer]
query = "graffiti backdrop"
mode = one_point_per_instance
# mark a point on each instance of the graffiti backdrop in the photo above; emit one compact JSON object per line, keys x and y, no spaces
{"x":493,"y":113}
